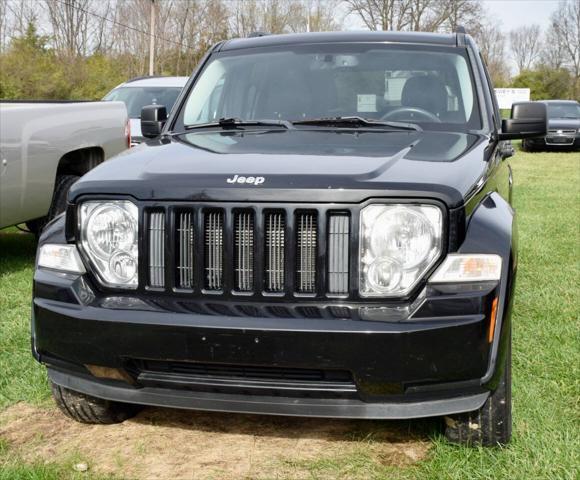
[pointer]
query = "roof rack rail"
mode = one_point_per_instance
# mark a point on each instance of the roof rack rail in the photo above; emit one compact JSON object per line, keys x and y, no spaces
{"x":460,"y":33}
{"x":258,"y":34}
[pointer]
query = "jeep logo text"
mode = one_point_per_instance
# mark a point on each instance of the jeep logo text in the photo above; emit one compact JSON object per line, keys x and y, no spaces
{"x":247,"y":180}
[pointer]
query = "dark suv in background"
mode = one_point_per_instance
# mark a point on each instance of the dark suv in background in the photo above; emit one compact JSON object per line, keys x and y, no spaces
{"x":322,"y":227}
{"x":563,"y":128}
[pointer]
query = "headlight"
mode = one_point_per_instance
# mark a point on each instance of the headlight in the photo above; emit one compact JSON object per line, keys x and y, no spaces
{"x":109,"y":235}
{"x":399,"y":243}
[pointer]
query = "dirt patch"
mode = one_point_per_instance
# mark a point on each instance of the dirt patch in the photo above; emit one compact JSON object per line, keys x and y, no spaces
{"x":163,"y":443}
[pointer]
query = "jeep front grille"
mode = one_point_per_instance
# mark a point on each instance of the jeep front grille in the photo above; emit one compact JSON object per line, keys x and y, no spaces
{"x":248,"y":250}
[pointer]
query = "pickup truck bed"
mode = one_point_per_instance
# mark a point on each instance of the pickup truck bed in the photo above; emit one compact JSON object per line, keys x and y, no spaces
{"x":47,"y":145}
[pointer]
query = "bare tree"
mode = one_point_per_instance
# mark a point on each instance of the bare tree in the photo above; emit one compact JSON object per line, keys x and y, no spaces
{"x":19,"y":15}
{"x":565,"y":26}
{"x":417,"y":15}
{"x":282,"y":16}
{"x":381,"y":14}
{"x":467,"y":13}
{"x":323,"y":16}
{"x":553,"y":52}
{"x":70,"y":22}
{"x":4,"y":25}
{"x":428,"y":15}
{"x":525,"y":45}
{"x":491,"y":41}
{"x":102,"y":40}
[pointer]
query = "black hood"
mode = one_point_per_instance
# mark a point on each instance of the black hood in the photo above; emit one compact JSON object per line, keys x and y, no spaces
{"x":296,"y":165}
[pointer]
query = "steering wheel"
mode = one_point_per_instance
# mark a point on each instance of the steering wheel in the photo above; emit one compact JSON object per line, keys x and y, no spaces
{"x":411,"y":112}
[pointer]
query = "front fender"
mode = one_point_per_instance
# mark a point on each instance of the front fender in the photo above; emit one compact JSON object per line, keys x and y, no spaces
{"x":53,"y":232}
{"x":492,"y":229}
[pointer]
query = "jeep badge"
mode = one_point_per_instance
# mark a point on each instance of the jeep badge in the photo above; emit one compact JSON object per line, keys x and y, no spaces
{"x":247,"y":180}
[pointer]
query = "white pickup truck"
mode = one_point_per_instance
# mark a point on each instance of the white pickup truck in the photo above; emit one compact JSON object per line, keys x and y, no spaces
{"x":47,"y":146}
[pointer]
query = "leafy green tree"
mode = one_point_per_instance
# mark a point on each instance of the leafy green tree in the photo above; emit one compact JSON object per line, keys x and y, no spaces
{"x":545,"y":83}
{"x":29,"y":69}
{"x":92,"y":77}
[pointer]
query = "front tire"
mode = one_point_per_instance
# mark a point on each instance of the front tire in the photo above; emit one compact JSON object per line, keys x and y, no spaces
{"x":491,"y":425}
{"x":87,"y":409}
{"x":526,"y":146}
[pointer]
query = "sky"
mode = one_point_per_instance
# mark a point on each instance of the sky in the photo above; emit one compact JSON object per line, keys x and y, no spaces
{"x":517,"y":13}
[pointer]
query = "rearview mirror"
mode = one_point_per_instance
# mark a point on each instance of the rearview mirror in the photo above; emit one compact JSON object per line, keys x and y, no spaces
{"x":153,"y":117}
{"x":527,"y":119}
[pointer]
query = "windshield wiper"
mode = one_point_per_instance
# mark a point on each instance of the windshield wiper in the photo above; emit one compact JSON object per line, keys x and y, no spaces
{"x":356,"y":121}
{"x":239,"y":123}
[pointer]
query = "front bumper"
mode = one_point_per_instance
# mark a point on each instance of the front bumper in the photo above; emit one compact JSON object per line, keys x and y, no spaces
{"x":556,"y":140}
{"x":431,"y":361}
{"x":267,"y":405}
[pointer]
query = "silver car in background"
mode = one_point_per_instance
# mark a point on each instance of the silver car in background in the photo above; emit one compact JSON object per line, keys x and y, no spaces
{"x":47,"y":146}
{"x":142,"y":91}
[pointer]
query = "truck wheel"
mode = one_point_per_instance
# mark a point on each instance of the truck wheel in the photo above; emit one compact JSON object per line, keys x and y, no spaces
{"x":36,"y":226}
{"x":87,"y":409}
{"x":59,"y":197}
{"x":491,"y":425}
{"x":527,"y":146}
{"x":57,"y":206}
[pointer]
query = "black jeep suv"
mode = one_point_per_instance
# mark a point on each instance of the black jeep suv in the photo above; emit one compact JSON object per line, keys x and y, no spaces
{"x":322,"y":227}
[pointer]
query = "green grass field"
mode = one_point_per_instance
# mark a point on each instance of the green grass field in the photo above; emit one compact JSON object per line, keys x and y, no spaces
{"x":546,"y":342}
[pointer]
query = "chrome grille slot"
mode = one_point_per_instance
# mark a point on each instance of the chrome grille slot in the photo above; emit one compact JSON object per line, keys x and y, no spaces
{"x":244,"y":251}
{"x":185,"y":237}
{"x":214,"y":249}
{"x":157,"y":249}
{"x":338,"y":246}
{"x":274,"y":253}
{"x":306,"y":252}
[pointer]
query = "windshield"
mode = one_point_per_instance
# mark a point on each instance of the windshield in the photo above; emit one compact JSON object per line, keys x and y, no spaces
{"x":563,"y":110}
{"x":135,"y":98}
{"x":430,"y":86}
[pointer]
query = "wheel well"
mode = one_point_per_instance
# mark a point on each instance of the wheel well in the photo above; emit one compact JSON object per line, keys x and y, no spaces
{"x":79,"y":162}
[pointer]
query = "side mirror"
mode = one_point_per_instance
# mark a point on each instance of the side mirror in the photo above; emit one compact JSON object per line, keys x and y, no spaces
{"x":153,"y":117}
{"x":527,"y":119}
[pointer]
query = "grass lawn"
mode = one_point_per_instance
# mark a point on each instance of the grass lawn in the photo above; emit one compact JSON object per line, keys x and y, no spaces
{"x":546,"y":342}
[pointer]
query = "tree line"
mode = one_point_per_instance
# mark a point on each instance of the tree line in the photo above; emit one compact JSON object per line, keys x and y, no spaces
{"x":80,"y":49}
